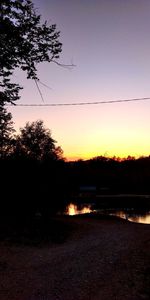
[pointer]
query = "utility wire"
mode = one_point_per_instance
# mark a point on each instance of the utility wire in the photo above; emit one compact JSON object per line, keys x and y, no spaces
{"x":39,"y":90}
{"x":48,"y":87}
{"x":82,"y":103}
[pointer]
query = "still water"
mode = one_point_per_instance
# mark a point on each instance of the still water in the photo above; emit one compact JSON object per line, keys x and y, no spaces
{"x":130,"y":215}
{"x":73,"y":209}
{"x":134,"y":217}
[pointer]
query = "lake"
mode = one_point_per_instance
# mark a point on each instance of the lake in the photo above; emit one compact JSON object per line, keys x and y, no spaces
{"x":130,"y":215}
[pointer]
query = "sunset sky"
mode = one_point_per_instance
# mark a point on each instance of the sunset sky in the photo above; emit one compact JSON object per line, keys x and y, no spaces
{"x":109,"y":42}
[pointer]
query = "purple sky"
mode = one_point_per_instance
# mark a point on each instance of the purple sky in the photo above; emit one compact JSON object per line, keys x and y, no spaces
{"x":109,"y":42}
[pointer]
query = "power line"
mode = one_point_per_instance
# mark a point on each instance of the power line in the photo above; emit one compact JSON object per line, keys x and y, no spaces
{"x":39,"y":90}
{"x":47,"y":86}
{"x":82,"y":103}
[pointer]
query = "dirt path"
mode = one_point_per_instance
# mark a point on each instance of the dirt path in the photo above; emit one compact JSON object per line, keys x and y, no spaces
{"x":102,"y":260}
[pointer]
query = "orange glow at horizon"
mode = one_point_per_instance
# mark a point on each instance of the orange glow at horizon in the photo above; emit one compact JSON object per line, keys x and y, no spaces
{"x":119,"y":151}
{"x":116,"y":66}
{"x":114,"y":130}
{"x":121,"y":156}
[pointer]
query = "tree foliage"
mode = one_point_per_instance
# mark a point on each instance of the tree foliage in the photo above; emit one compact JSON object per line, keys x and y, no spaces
{"x":35,"y":142}
{"x":24,"y":42}
{"x":6,"y":131}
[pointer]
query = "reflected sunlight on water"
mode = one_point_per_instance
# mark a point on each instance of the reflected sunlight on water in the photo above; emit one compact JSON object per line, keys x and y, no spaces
{"x":76,"y":209}
{"x":73,"y":209}
{"x":138,"y":218}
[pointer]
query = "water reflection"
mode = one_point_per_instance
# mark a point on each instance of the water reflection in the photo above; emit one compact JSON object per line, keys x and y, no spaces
{"x":130,"y":215}
{"x":134,"y":217}
{"x":73,"y":209}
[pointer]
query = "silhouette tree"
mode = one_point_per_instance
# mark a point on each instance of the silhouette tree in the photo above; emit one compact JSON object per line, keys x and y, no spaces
{"x":24,"y":42}
{"x":35,"y":142}
{"x":6,"y":131}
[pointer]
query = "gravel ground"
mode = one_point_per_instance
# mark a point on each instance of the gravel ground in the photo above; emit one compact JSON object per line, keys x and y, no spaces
{"x":100,"y":260}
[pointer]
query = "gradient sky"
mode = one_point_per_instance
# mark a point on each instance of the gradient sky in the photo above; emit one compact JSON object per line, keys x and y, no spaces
{"x":109,"y":42}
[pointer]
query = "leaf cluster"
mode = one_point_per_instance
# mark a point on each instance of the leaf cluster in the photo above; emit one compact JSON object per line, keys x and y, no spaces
{"x":24,"y":43}
{"x":35,"y":142}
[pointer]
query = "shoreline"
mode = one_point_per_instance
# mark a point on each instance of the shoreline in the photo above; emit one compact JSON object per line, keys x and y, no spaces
{"x":102,"y":258}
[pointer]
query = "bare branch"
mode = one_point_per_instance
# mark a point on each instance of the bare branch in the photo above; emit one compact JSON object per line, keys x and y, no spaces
{"x":63,"y":65}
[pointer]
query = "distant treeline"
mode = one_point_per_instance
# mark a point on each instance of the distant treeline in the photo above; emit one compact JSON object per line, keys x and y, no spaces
{"x":112,"y":175}
{"x":36,"y":179}
{"x":29,"y":186}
